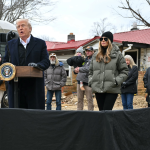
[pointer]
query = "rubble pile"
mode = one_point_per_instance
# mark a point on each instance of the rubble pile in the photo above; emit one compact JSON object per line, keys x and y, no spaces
{"x":70,"y":102}
{"x":70,"y":99}
{"x":138,"y":102}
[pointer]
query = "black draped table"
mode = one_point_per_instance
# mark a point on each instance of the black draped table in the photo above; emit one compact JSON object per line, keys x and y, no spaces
{"x":22,"y":129}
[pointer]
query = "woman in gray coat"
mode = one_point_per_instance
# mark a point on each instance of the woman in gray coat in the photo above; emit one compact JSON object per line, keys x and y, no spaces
{"x":108,"y":70}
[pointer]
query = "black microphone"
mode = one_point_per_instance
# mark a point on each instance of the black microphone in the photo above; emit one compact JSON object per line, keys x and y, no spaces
{"x":9,"y":36}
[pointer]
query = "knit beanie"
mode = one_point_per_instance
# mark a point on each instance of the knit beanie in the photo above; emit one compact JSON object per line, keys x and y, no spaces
{"x":80,"y":50}
{"x":109,"y":35}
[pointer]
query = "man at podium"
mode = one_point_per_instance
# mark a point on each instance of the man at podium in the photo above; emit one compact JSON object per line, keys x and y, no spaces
{"x":27,"y":51}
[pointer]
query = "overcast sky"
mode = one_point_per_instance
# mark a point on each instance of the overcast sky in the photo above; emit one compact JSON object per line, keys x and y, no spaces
{"x":78,"y":16}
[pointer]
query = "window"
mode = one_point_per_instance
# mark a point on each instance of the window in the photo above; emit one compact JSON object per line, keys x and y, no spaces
{"x":66,"y":66}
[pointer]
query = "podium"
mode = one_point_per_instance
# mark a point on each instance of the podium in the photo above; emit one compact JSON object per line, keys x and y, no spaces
{"x":28,"y":71}
{"x":24,"y":72}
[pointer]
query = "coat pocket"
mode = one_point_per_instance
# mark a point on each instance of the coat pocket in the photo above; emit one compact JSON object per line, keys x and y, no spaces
{"x":113,"y":82}
{"x":56,"y":85}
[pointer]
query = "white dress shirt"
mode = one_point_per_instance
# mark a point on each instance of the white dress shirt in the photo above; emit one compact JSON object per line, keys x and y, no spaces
{"x":27,"y":41}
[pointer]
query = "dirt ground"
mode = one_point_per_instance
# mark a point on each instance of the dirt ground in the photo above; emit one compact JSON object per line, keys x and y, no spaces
{"x":70,"y":103}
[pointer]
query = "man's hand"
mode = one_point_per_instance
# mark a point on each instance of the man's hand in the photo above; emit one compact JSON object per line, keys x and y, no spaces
{"x":32,"y":64}
{"x":35,"y":65}
{"x":76,"y":70}
{"x":124,"y":85}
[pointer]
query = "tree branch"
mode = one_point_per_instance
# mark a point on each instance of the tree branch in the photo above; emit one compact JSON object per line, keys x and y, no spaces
{"x":15,"y":9}
{"x":135,"y":13}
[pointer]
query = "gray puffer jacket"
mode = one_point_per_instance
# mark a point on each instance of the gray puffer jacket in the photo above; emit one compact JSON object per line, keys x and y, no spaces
{"x":108,"y":77}
{"x":55,"y":78}
{"x":84,"y":71}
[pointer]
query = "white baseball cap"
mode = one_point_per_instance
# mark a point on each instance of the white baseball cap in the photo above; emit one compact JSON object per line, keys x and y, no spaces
{"x":52,"y":54}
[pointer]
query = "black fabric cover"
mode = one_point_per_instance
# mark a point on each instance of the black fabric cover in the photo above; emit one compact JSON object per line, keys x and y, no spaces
{"x":74,"y":130}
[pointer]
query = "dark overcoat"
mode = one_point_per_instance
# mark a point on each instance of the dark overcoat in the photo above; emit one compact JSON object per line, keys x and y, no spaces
{"x":146,"y":80}
{"x":36,"y":53}
{"x":131,"y":84}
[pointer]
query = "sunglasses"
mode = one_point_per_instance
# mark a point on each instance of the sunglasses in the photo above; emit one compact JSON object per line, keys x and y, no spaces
{"x":105,"y":39}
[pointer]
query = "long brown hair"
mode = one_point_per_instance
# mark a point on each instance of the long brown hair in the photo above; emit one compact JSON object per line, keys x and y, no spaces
{"x":101,"y":56}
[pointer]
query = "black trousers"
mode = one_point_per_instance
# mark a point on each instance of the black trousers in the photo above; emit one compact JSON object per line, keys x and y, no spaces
{"x":22,"y":93}
{"x":148,"y":100}
{"x":105,"y":101}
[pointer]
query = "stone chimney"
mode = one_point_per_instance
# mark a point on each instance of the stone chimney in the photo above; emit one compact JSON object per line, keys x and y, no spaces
{"x":71,"y":38}
{"x":134,"y":26}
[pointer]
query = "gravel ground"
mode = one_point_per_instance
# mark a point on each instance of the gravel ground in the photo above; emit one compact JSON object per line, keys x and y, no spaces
{"x":70,"y":103}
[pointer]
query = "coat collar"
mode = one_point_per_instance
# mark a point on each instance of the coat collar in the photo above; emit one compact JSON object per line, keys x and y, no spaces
{"x":114,"y":51}
{"x":31,"y":46}
{"x":32,"y":43}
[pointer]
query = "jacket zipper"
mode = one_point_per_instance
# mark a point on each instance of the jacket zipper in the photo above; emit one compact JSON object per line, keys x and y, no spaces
{"x":53,"y":77}
{"x":103,"y":78}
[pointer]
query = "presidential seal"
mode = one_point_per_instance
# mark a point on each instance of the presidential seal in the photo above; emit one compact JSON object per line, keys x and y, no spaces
{"x":7,"y":71}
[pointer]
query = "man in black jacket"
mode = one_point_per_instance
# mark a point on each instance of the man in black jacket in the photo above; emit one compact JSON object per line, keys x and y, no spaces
{"x":146,"y":80}
{"x":83,"y":76}
{"x":27,"y":51}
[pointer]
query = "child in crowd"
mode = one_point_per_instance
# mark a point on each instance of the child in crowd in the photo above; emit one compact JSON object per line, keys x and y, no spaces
{"x":77,"y":61}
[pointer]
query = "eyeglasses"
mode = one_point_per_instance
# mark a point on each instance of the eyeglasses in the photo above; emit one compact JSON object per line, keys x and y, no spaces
{"x":105,"y":39}
{"x":23,"y":25}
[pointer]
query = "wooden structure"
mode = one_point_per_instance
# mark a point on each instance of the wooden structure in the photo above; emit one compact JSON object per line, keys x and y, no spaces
{"x":28,"y":71}
{"x":24,"y":72}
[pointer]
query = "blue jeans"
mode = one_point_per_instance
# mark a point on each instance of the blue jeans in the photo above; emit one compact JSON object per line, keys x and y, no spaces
{"x":127,"y":100}
{"x":58,"y":99}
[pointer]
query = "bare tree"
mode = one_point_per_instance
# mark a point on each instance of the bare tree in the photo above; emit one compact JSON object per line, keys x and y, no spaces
{"x":36,"y":10}
{"x":135,"y":12}
{"x":46,"y":38}
{"x":99,"y":28}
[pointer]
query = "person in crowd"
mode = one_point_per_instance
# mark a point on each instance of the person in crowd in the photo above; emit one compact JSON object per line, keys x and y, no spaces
{"x":83,"y":76}
{"x":2,"y":83}
{"x":108,"y":70}
{"x":129,"y":86}
{"x":146,"y":80}
{"x":27,"y":51}
{"x":55,"y":78}
{"x":77,"y":61}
